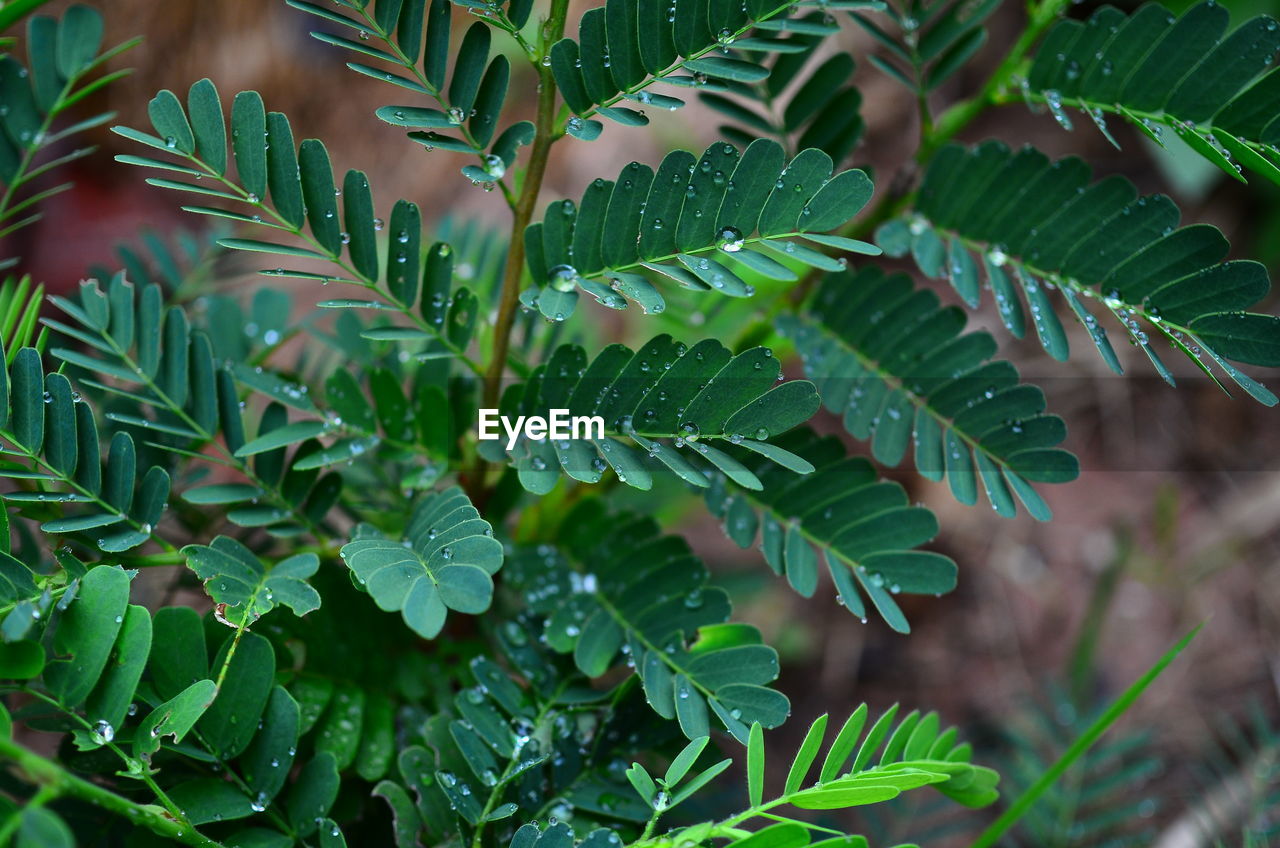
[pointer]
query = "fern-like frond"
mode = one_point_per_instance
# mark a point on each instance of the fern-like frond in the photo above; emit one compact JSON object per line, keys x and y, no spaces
{"x":415,"y":38}
{"x":895,"y":364}
{"x":1160,"y":72}
{"x":478,"y":762}
{"x":621,"y":589}
{"x":625,"y":47}
{"x":62,"y":55}
{"x":505,"y":734}
{"x":1238,"y":780}
{"x":304,"y":204}
{"x":169,"y":383}
{"x":53,"y":447}
{"x":660,"y":406}
{"x":1106,"y":800}
{"x":694,"y":221}
{"x":866,"y":763}
{"x":934,"y":39}
{"x":821,"y":112}
{"x":181,"y":264}
{"x":1038,"y":225}
{"x":446,"y":562}
{"x":864,"y":526}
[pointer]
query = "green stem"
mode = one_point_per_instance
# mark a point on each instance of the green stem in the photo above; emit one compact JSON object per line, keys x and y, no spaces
{"x":651,"y":824}
{"x":1083,"y":743}
{"x":133,"y":765}
{"x":526,"y":205}
{"x":512,"y":273}
{"x":43,"y":796}
{"x":235,"y":643}
{"x":959,"y":116}
{"x":54,"y":781}
{"x":495,"y":794}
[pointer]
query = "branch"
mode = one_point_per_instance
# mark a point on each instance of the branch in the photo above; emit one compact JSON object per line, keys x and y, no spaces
{"x":959,"y":116}
{"x":53,"y":779}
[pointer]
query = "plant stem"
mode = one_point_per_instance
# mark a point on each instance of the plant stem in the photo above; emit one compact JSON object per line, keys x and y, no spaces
{"x":959,"y":116}
{"x":55,"y":781}
{"x":495,"y":794}
{"x":1083,"y":743}
{"x":43,"y":796}
{"x":544,"y":137}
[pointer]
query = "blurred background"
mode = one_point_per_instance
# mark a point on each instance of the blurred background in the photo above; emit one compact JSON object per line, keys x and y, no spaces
{"x":1174,"y":521}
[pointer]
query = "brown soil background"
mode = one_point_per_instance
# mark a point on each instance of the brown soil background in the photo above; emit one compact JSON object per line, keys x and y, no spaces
{"x":1192,"y":475}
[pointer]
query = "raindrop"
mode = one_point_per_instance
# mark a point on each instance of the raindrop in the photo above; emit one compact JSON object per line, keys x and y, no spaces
{"x":729,"y":239}
{"x":494,"y":166}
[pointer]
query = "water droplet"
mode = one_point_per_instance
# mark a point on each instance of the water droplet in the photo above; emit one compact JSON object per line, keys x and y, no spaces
{"x":494,"y":166}
{"x":729,"y":239}
{"x":563,"y":278}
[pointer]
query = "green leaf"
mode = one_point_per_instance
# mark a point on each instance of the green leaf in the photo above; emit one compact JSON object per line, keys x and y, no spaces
{"x":42,"y":828}
{"x":175,"y":717}
{"x":283,"y":174}
{"x":222,"y":493}
{"x":448,"y":563}
{"x":864,"y":525}
{"x":110,"y":700}
{"x":268,"y":760}
{"x":86,"y":634}
{"x":249,"y":143}
{"x":26,"y":399}
{"x":806,"y":755}
{"x":1122,"y":65}
{"x":721,"y":399}
{"x":170,"y":122}
{"x":755,"y":765}
{"x":280,"y":437}
{"x":684,"y":761}
{"x":208,"y":125}
{"x":691,"y":709}
{"x":702,"y":218}
{"x":313,"y":793}
{"x":653,"y":591}
{"x":919,"y":367}
{"x":231,"y":721}
{"x":1044,"y":225}
{"x":246,"y":588}
{"x":1242,"y":336}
